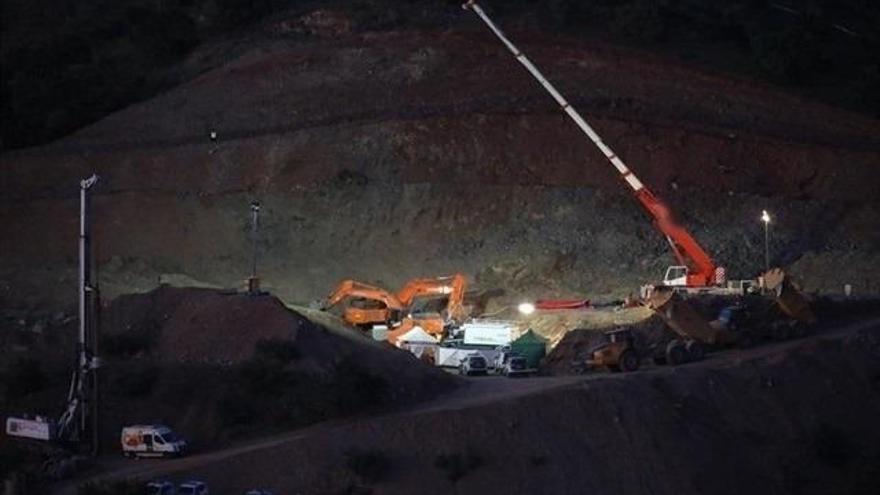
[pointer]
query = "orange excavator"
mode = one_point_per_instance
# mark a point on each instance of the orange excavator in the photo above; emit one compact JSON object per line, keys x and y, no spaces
{"x":368,"y":305}
{"x":434,"y":323}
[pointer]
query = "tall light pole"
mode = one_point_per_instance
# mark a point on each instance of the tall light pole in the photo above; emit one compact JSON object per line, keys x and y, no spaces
{"x":765,"y":217}
{"x":253,"y":282}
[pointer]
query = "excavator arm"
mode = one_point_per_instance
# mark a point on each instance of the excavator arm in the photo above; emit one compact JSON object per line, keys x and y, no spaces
{"x":382,"y":306}
{"x":454,"y":286}
{"x":702,"y":270}
{"x":352,"y":288}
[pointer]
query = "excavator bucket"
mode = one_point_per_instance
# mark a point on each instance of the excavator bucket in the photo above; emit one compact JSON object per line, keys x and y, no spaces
{"x":684,"y":320}
{"x":787,"y":296}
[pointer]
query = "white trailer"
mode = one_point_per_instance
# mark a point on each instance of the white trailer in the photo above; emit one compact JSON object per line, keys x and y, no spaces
{"x":39,"y":428}
{"x":488,"y":332}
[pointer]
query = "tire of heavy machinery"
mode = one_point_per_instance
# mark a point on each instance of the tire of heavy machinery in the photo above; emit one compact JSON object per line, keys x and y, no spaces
{"x":696,"y":350}
{"x":628,"y":361}
{"x":676,"y":353}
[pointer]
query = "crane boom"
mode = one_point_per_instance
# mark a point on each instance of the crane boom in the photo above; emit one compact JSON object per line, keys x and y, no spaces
{"x":702,"y":270}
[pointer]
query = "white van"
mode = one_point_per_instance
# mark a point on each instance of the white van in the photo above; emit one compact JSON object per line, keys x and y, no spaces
{"x":151,"y":441}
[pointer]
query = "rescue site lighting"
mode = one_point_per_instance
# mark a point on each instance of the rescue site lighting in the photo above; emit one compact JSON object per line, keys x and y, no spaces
{"x":526,"y":308}
{"x":765,"y":217}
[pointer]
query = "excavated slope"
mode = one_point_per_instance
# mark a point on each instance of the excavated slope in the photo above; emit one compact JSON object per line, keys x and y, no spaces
{"x":388,"y":156}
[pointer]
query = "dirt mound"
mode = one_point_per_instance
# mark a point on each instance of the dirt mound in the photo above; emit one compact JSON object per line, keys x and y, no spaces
{"x":205,"y":326}
{"x":575,"y":346}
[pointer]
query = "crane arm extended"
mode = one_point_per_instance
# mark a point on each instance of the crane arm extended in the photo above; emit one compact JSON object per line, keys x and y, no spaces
{"x":686,"y":249}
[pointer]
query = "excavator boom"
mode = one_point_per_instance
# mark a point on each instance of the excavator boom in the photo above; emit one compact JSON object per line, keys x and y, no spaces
{"x":353,"y":288}
{"x":454,"y":286}
{"x":701,"y":268}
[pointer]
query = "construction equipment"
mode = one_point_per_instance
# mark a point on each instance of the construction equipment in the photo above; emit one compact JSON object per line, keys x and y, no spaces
{"x":694,"y":331}
{"x":368,"y":306}
{"x":749,"y":319}
{"x":80,"y":415}
{"x":434,"y":323}
{"x":789,"y":299}
{"x":618,"y":353}
{"x":453,"y":286}
{"x":696,"y":271}
{"x":696,"y":268}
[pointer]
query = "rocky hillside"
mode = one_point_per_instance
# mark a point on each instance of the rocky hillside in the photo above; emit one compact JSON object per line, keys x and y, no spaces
{"x":387,"y":155}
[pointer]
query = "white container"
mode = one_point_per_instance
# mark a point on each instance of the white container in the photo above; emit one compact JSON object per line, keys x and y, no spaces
{"x":492,"y":333}
{"x":37,"y":429}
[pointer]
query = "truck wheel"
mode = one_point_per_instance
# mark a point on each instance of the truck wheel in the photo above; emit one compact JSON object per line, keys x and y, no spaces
{"x":628,"y":361}
{"x":676,"y":353}
{"x":695,"y":350}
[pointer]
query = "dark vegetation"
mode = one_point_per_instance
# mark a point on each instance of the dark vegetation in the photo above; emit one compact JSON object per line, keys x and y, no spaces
{"x":456,"y":465}
{"x":832,"y":446}
{"x":268,"y":390}
{"x":68,"y":63}
{"x":369,"y":465}
{"x":128,"y":344}
{"x":23,"y":376}
{"x":803,"y":44}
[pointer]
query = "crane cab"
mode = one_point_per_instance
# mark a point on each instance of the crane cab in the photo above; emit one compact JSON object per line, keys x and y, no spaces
{"x":676,"y":276}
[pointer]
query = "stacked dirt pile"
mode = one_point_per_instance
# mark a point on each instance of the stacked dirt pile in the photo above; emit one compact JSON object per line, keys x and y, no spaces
{"x":205,"y":326}
{"x":555,"y":326}
{"x":799,"y":417}
{"x":575,"y":347}
{"x":219,"y":365}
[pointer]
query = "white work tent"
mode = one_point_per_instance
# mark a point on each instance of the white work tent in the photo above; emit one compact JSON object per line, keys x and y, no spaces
{"x":419,"y":342}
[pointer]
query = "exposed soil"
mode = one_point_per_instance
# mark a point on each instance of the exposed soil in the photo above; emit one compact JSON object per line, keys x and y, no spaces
{"x":383,"y":157}
{"x":185,"y":357}
{"x":388,"y":156}
{"x":777,"y":419}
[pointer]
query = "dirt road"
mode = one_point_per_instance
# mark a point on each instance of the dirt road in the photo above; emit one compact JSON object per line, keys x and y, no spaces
{"x":477,"y":393}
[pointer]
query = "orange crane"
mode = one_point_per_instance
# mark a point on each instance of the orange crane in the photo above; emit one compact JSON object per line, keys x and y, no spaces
{"x":696,"y":268}
{"x":369,"y":305}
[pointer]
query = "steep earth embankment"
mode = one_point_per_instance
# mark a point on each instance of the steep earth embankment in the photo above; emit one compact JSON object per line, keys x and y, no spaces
{"x":387,"y":156}
{"x":219,"y":366}
{"x":798,"y":417}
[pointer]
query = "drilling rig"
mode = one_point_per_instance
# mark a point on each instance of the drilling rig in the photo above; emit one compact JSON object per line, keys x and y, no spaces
{"x":78,"y":424}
